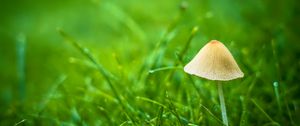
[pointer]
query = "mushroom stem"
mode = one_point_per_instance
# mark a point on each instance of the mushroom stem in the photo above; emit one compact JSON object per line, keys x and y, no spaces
{"x":222,"y":103}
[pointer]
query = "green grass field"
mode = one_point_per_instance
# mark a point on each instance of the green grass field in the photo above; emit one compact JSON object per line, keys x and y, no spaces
{"x":120,"y":62}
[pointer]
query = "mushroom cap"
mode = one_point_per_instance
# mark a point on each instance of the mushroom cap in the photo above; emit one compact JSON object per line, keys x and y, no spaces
{"x":214,"y":62}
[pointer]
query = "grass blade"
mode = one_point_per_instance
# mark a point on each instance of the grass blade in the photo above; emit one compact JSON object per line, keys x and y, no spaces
{"x":188,"y":43}
{"x":262,"y":110}
{"x":244,"y":116}
{"x":163,"y":68}
{"x":159,"y":120}
{"x":61,"y":79}
{"x":174,"y":112}
{"x":151,"y":101}
{"x":107,"y":76}
{"x":276,"y":91}
{"x":18,"y":123}
{"x":21,"y":51}
{"x":209,"y":112}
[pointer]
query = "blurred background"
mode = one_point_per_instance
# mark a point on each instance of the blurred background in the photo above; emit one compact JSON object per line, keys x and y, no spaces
{"x":120,"y":62}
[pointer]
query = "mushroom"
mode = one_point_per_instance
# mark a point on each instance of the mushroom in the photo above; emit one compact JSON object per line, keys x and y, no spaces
{"x":215,"y":62}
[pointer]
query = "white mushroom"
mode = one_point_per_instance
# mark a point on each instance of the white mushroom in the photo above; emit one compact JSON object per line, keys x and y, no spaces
{"x":214,"y":62}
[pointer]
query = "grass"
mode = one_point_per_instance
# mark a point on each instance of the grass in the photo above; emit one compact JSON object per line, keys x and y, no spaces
{"x":111,"y":62}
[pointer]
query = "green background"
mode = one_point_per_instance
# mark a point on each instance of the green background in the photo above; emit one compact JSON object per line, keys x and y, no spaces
{"x":139,"y":48}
